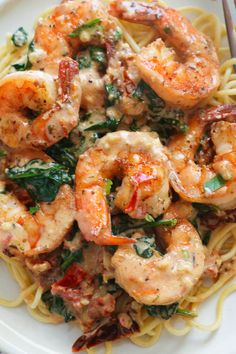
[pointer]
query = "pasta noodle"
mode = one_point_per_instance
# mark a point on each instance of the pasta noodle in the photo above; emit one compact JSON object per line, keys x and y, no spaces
{"x":223,"y":239}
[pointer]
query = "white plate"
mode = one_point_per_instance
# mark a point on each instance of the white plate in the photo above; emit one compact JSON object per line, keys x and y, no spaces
{"x":21,"y":334}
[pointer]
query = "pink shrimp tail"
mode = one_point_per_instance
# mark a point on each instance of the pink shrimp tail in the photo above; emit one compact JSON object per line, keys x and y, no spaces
{"x":68,"y":68}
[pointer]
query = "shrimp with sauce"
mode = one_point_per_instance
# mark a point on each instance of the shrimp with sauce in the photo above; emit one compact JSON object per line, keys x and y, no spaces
{"x":214,"y":182}
{"x":181,"y":66}
{"x":25,"y":93}
{"x":58,"y":28}
{"x":163,"y":280}
{"x":139,"y":159}
{"x":42,"y":232}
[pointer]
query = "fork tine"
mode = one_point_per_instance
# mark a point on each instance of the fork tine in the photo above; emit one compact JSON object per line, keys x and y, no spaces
{"x":230,"y":27}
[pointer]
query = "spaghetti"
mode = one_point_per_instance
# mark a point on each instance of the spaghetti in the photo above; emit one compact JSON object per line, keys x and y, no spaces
{"x":223,"y":239}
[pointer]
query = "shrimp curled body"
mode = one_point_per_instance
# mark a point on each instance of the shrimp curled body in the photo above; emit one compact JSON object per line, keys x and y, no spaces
{"x":191,"y":179}
{"x":162,"y":280}
{"x":42,"y":232}
{"x":139,"y":159}
{"x":181,"y":65}
{"x":24,"y":93}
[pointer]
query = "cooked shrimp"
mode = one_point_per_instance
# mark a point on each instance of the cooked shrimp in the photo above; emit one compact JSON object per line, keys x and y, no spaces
{"x":60,"y":23}
{"x":190,"y":179}
{"x":23,"y":93}
{"x":162,"y":280}
{"x":139,"y":159}
{"x":182,"y":65}
{"x":39,"y":233}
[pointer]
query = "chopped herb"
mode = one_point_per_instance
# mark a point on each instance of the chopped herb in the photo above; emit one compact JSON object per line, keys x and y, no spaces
{"x":41,"y":179}
{"x":133,"y":127}
{"x":174,"y":123}
{"x":71,"y":235}
{"x":56,"y":304}
{"x":186,"y":254}
{"x":186,"y":313}
{"x":99,"y":279}
{"x":214,"y":184}
{"x":157,"y":222}
{"x":149,"y":218}
{"x":83,"y":61}
{"x":3,"y":153}
{"x":19,"y":37}
{"x":145,"y":246}
{"x":19,"y":66}
{"x":205,"y":208}
{"x":167,"y":311}
{"x":117,"y":35}
{"x":108,"y":186}
{"x":167,"y":29}
{"x":90,"y":24}
{"x":99,"y":55}
{"x":34,"y":209}
{"x":206,"y":238}
{"x":113,"y":94}
{"x":69,"y":258}
{"x":112,"y":249}
{"x":130,"y":224}
{"x":110,"y":123}
{"x":112,"y":286}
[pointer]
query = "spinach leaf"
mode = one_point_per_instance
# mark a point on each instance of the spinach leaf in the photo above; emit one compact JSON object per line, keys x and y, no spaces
{"x":110,"y":123}
{"x":113,"y":94}
{"x":112,"y":286}
{"x":56,"y":304}
{"x":167,"y":311}
{"x":214,"y":183}
{"x":112,"y":249}
{"x":19,"y":37}
{"x":172,"y":123}
{"x":206,"y":238}
{"x":69,"y":258}
{"x":27,"y":64}
{"x":205,"y":208}
{"x":64,"y":152}
{"x":163,"y":311}
{"x":156,"y":104}
{"x":145,"y":246}
{"x":88,"y":25}
{"x":41,"y":179}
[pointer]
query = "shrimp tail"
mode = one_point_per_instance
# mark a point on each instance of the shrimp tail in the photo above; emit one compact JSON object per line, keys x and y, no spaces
{"x":68,"y":68}
{"x":45,"y":126}
{"x":219,"y":113}
{"x":111,"y":240}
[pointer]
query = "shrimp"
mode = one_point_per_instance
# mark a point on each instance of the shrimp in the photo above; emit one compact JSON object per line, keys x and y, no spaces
{"x":162,"y":280}
{"x":139,"y":159}
{"x":25,"y":93}
{"x":192,"y":181}
{"x":57,"y":27}
{"x":181,"y":66}
{"x":26,"y":234}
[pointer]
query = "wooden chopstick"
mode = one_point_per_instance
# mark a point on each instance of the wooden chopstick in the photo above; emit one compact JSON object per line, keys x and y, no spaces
{"x":230,"y":28}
